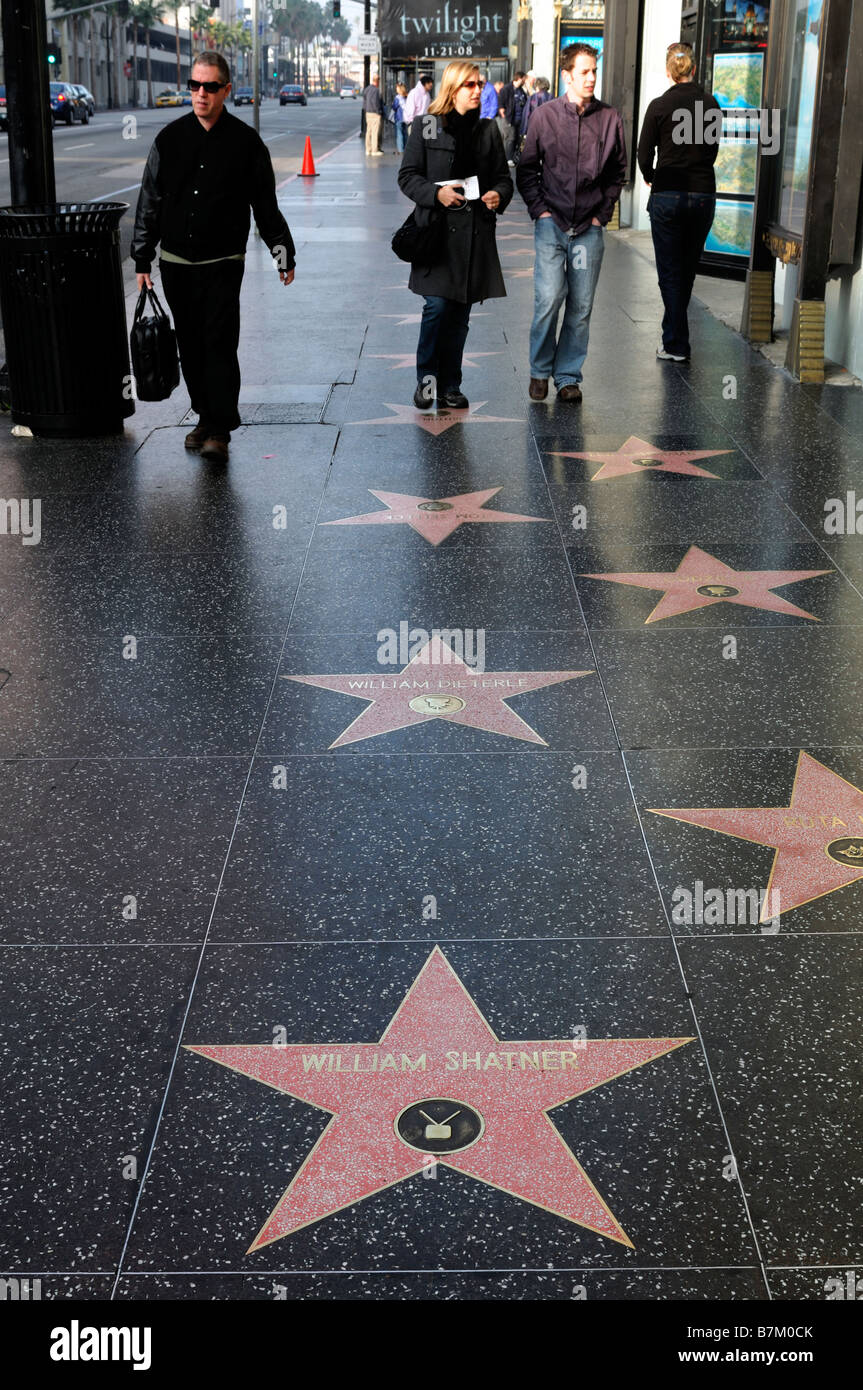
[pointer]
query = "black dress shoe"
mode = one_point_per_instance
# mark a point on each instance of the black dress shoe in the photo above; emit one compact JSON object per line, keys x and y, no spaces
{"x":423,"y":396}
{"x":453,"y":400}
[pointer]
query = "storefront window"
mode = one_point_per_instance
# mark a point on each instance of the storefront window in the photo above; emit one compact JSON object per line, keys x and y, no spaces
{"x":798,"y":92}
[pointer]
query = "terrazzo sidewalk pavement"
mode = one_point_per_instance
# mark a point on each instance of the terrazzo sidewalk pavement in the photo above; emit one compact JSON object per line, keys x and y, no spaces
{"x":328,"y":773}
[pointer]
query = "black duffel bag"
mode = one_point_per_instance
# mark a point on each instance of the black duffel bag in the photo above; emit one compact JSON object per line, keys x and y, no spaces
{"x":153,"y":348}
{"x":421,"y":242}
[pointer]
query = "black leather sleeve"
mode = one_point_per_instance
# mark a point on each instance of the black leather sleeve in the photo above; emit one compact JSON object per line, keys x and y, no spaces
{"x":499,"y":175}
{"x":414,"y":181}
{"x":147,"y":215}
{"x":267,"y":213}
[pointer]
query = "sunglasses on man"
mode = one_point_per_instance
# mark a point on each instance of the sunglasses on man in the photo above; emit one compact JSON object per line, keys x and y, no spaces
{"x":211,"y":87}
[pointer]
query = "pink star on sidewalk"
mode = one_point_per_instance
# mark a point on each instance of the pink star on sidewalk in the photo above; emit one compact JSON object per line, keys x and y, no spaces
{"x":437,"y":423}
{"x":701,"y":580}
{"x":437,"y":684}
{"x":637,"y":456}
{"x":433,"y":518}
{"x":818,"y":836}
{"x":409,"y":359}
{"x":389,"y":1120}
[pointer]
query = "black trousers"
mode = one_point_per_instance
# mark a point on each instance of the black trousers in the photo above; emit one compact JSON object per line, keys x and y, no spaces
{"x":205,"y":303}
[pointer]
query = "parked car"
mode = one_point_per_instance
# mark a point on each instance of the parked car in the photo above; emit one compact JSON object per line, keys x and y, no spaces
{"x":4,"y":116}
{"x":347,"y":92}
{"x":174,"y":98}
{"x":66,"y":105}
{"x":245,"y":96}
{"x":291,"y":92}
{"x":87,"y":96}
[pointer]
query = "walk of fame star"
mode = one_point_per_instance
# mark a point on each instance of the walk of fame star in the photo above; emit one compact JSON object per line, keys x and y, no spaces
{"x":409,"y":359}
{"x":701,"y":580}
{"x":440,"y":1087}
{"x":439,"y":422}
{"x":516,"y":236}
{"x":637,"y":456}
{"x":520,"y":274}
{"x":818,"y":837}
{"x":437,"y":684}
{"x":417,"y":318}
{"x":433,"y":518}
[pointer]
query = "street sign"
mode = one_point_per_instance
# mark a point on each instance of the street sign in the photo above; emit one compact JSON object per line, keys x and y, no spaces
{"x":368,"y":43}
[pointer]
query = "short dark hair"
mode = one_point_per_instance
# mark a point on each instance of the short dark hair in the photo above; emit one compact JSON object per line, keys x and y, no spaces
{"x":429,"y":80}
{"x":209,"y":59}
{"x":517,"y":75}
{"x":569,"y":54}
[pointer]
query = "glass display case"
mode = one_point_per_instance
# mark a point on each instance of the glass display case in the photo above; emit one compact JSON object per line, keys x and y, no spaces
{"x":731,"y":47}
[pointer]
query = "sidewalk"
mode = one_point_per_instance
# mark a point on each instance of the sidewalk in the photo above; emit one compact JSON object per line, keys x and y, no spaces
{"x":257,"y":874}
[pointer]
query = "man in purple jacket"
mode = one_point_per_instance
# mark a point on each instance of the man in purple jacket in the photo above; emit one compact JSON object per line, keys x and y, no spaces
{"x":570,"y":175}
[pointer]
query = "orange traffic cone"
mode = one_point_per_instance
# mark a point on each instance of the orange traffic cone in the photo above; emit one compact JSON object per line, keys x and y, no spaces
{"x":308,"y":170}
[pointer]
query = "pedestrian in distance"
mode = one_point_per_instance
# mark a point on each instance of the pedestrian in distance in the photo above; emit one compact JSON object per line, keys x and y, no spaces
{"x":204,"y":173}
{"x":570,"y":175}
{"x":489,"y":105}
{"x":373,"y":108}
{"x":454,"y":163}
{"x":540,"y":95}
{"x":418,"y":100}
{"x":676,"y":160}
{"x":513,"y":99}
{"x":398,"y":116}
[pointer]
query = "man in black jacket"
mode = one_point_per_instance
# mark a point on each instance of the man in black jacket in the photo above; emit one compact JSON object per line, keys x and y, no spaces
{"x":204,"y":172}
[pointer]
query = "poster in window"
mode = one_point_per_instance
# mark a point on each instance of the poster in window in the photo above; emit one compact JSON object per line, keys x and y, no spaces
{"x":731,"y":233}
{"x":737,"y":80}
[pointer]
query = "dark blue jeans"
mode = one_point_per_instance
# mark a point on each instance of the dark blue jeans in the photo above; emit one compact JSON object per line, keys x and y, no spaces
{"x":679,"y":223}
{"x":443,"y":332}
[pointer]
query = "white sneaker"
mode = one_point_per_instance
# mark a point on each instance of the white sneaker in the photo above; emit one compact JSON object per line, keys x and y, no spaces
{"x":376,"y":154}
{"x":668,"y":356}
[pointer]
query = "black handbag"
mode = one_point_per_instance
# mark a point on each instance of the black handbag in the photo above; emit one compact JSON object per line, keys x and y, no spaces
{"x":153,"y":348}
{"x":421,"y":243}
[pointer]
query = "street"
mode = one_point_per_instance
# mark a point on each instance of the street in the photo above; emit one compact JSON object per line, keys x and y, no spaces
{"x":105,"y":159}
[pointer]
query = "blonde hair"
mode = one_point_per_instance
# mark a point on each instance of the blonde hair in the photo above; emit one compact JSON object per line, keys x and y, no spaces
{"x":679,"y":62}
{"x":454,"y":76}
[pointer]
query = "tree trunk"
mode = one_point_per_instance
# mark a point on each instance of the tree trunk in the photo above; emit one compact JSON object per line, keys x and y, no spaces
{"x":177,"y":32}
{"x":75,"y":47}
{"x":149,"y":72}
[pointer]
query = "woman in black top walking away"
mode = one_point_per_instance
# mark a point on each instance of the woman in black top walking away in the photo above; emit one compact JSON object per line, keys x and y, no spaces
{"x":452,"y":142}
{"x":682,"y":186}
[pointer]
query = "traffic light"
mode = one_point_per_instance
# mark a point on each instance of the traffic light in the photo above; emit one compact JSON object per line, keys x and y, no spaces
{"x":123,"y":9}
{"x":337,"y":9}
{"x":52,"y":53}
{"x":276,"y":75}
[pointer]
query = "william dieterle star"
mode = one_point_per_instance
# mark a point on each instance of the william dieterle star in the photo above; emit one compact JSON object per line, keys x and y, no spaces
{"x":818,"y":836}
{"x":440,"y":1088}
{"x":434,"y":518}
{"x":638,"y":456}
{"x":700,"y":581}
{"x":437,"y":684}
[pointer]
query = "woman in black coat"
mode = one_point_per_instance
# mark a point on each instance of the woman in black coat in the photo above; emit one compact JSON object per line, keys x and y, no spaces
{"x":451,"y":142}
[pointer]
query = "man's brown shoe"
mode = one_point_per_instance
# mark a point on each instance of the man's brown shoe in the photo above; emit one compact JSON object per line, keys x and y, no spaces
{"x":215,"y":449}
{"x":538,"y":389}
{"x":196,"y":438}
{"x":569,"y":393}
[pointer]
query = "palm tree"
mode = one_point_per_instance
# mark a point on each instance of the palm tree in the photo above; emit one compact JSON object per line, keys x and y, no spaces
{"x":200,"y":18}
{"x":147,"y":13}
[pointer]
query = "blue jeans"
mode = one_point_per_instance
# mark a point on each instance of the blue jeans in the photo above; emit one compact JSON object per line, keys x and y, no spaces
{"x":679,"y":223}
{"x":401,"y":136}
{"x":443,"y":332}
{"x":567,"y":267}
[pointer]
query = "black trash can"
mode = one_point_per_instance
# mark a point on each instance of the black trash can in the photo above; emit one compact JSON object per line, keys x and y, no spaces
{"x":64,"y":318}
